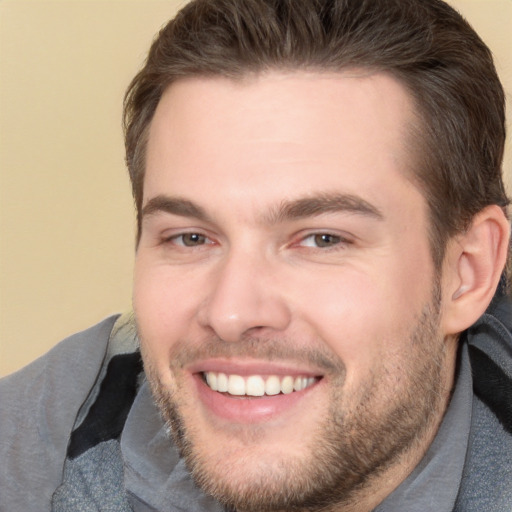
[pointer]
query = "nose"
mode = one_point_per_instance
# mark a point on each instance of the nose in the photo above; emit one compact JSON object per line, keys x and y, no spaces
{"x":245,"y":298}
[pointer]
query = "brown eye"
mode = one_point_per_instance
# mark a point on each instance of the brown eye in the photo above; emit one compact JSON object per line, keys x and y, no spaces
{"x":192,"y":239}
{"x":326,"y":240}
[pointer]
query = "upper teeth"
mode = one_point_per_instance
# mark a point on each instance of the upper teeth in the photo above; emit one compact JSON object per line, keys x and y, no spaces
{"x":256,"y":385}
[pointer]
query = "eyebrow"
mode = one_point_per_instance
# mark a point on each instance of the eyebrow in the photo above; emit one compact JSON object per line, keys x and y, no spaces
{"x":174,"y":206}
{"x":300,"y":208}
{"x":322,"y":204}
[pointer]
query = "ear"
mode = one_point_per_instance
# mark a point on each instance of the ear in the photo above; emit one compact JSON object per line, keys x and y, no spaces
{"x":473,"y":266}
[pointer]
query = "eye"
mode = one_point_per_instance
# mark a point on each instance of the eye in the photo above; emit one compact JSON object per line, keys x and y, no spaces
{"x":189,"y":239}
{"x":322,"y":240}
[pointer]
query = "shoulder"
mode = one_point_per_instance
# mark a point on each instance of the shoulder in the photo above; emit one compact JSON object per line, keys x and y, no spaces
{"x":490,"y":349}
{"x":487,"y":479}
{"x":39,"y":405}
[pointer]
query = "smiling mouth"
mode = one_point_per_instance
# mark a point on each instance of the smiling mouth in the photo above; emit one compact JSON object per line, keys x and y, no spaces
{"x":256,"y":385}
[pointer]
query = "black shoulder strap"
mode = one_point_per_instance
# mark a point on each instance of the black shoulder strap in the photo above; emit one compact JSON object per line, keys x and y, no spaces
{"x":107,"y":415}
{"x":492,"y":385}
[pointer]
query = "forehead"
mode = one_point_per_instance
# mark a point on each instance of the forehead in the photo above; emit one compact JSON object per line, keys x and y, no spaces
{"x":276,"y":134}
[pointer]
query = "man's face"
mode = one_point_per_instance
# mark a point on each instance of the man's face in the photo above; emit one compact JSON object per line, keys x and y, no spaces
{"x":285,"y":296}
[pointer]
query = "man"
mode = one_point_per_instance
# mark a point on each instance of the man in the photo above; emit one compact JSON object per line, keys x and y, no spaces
{"x":321,"y":229}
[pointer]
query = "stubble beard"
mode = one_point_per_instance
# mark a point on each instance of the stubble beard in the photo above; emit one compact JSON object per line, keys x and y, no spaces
{"x":348,"y":451}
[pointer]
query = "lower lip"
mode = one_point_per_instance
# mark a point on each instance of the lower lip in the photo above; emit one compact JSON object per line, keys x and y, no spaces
{"x":248,"y":409}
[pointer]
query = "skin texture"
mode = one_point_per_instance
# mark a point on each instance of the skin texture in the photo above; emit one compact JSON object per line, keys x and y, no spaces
{"x":281,"y":235}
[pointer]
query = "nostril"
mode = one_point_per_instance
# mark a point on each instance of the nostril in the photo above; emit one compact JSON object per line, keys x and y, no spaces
{"x":238,"y":305}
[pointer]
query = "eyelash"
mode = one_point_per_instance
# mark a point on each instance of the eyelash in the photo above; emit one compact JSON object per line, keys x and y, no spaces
{"x":174,"y":239}
{"x":339,"y":241}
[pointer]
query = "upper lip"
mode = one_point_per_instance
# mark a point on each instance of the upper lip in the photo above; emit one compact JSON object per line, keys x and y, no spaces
{"x":246,"y":367}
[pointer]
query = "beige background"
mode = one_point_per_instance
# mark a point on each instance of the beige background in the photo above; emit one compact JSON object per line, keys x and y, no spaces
{"x":66,"y":216}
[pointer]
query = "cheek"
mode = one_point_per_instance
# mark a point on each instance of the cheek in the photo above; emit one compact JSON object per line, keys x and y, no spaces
{"x":364,"y":315}
{"x":346,"y":314}
{"x":164,"y":305}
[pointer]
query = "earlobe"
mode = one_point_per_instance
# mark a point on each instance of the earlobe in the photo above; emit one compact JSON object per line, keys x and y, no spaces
{"x":473,"y":266}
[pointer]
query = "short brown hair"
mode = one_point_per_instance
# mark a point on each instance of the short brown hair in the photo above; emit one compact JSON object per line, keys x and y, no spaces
{"x":425,"y":44}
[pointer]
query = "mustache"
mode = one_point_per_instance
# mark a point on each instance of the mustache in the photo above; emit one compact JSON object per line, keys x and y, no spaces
{"x":269,"y":349}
